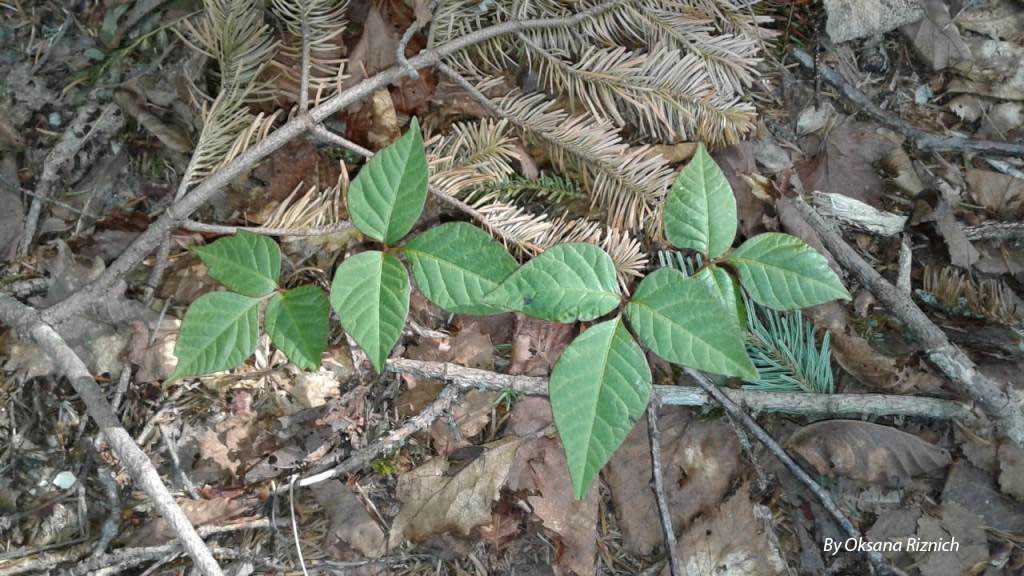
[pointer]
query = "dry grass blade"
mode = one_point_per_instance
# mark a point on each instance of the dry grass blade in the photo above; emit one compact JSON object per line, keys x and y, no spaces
{"x":962,"y":293}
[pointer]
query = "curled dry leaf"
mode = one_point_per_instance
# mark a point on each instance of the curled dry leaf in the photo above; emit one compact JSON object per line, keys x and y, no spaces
{"x":999,"y":194}
{"x":867,"y":452}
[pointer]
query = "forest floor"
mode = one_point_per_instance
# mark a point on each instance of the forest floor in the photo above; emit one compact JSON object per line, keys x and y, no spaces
{"x":97,"y":123}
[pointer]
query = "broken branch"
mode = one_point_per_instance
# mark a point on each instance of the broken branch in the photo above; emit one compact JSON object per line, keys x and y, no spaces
{"x":1005,"y":406}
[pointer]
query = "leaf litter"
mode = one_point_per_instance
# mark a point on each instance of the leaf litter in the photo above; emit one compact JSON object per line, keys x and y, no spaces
{"x":484,"y":476}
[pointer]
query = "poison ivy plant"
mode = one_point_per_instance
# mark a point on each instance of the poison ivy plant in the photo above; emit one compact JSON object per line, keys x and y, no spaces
{"x":601,"y":383}
{"x":220,"y":329}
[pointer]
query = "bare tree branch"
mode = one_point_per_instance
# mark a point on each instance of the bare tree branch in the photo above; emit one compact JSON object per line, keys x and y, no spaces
{"x":1002,"y":403}
{"x":131,"y":456}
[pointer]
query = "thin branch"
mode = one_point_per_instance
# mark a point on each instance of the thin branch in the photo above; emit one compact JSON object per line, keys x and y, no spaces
{"x":134,"y":460}
{"x":403,"y":43}
{"x":924,"y":140}
{"x":326,"y":136}
{"x":180,"y":210}
{"x":654,"y":433}
{"x":995,"y":231}
{"x":877,"y":561}
{"x":796,"y":403}
{"x":1005,"y":407}
{"x":470,"y":378}
{"x":362,"y":458}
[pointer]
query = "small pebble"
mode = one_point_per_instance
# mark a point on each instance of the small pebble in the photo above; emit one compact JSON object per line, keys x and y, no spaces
{"x":54,"y":119}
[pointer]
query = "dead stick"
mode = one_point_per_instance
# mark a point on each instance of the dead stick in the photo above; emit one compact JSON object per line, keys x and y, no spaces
{"x":361,"y":458}
{"x":1004,"y":405}
{"x":654,"y":433}
{"x":131,"y":456}
{"x":924,"y":140}
{"x":798,"y":403}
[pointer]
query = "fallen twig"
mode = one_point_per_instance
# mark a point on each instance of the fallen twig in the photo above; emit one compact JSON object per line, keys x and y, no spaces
{"x":924,"y":140}
{"x":361,"y":458}
{"x":707,"y":393}
{"x":1005,"y":407}
{"x":675,"y":568}
{"x":995,"y":231}
{"x":132,"y":458}
{"x":798,"y":403}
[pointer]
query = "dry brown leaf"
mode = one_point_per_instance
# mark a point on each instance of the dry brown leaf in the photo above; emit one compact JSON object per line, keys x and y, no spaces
{"x":1011,"y":470}
{"x":730,"y":540}
{"x":541,"y":470}
{"x":434,"y":502}
{"x":351,"y":525}
{"x":738,"y":165}
{"x":473,"y":349}
{"x":935,"y":38}
{"x":866,"y":451}
{"x":976,"y":491}
{"x":224,"y":448}
{"x":700,"y":460}
{"x":384,"y":129}
{"x":966,"y":528}
{"x":844,"y":162}
{"x":537,"y":345}
{"x":998,"y":19}
{"x":1001,"y":195}
{"x":375,"y":50}
{"x":156,"y":361}
{"x":200,"y":512}
{"x":468,"y":418}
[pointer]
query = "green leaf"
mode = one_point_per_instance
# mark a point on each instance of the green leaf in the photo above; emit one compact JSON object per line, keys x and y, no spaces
{"x":679,"y":319}
{"x":218,"y":333}
{"x":700,"y":211}
{"x":370,"y":293}
{"x":565,"y":283}
{"x":456,"y":264}
{"x":722,"y":286}
{"x":388,"y":194}
{"x":784,"y":273}
{"x":247,"y":263}
{"x":598,"y":389}
{"x":297,"y":324}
